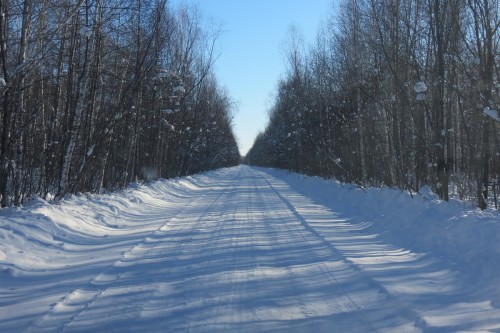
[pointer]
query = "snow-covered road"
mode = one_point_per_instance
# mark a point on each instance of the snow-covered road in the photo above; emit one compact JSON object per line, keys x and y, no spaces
{"x":237,"y":250}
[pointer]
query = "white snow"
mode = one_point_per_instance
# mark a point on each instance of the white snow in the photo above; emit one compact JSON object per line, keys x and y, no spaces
{"x":420,"y":87}
{"x":85,"y":31}
{"x":179,"y":90}
{"x":90,"y":151}
{"x":164,"y":73}
{"x":249,"y":250}
{"x":169,"y":126}
{"x":420,"y":97}
{"x":492,"y":113}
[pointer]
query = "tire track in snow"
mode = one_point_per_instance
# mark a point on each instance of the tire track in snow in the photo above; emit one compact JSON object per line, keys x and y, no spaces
{"x":284,"y":286}
{"x":234,"y":222}
{"x":216,"y":239}
{"x":201,"y":221}
{"x":200,"y":291}
{"x":251,"y":255}
{"x":404,"y":309}
{"x":70,"y":307}
{"x":279,"y":286}
{"x":348,"y":300}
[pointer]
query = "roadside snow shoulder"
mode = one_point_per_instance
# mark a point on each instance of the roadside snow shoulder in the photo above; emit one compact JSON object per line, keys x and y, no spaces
{"x":459,"y":234}
{"x":38,"y":237}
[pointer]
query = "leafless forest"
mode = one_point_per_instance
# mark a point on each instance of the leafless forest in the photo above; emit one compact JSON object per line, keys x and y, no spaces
{"x":394,"y":93}
{"x":96,"y":94}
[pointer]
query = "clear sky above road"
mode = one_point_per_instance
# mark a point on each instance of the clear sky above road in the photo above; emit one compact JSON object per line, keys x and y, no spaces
{"x":252,"y":51}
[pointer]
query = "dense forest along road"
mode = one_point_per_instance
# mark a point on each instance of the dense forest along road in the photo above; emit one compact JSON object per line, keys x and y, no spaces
{"x":239,"y":250}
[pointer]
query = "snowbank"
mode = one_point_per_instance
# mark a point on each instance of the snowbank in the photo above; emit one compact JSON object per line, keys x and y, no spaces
{"x":460,"y":234}
{"x":91,"y":258}
{"x":38,"y":237}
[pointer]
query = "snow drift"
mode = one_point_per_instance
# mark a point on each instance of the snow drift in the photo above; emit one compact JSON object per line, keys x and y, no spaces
{"x":56,"y":257}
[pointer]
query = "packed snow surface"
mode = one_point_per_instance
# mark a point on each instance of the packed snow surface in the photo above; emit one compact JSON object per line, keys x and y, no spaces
{"x":249,"y":250}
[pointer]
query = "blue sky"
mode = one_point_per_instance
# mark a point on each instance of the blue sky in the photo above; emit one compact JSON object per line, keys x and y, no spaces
{"x":252,"y":51}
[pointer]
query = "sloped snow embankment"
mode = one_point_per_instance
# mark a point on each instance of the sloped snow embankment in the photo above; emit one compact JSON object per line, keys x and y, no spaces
{"x":48,"y":251}
{"x":62,"y":262}
{"x":38,"y":236}
{"x":463,"y":236}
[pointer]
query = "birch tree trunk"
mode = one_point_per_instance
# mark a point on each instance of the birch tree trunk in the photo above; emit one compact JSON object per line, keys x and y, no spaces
{"x":83,"y":81}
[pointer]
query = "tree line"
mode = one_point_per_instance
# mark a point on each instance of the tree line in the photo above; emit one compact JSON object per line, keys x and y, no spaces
{"x":393,"y":93}
{"x":96,"y":94}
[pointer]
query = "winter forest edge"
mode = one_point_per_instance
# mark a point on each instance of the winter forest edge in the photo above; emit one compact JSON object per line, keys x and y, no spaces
{"x":394,"y":93}
{"x":98,"y":94}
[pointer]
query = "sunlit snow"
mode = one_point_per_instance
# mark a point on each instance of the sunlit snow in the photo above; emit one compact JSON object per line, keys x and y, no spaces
{"x":492,"y":113}
{"x":249,"y":250}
